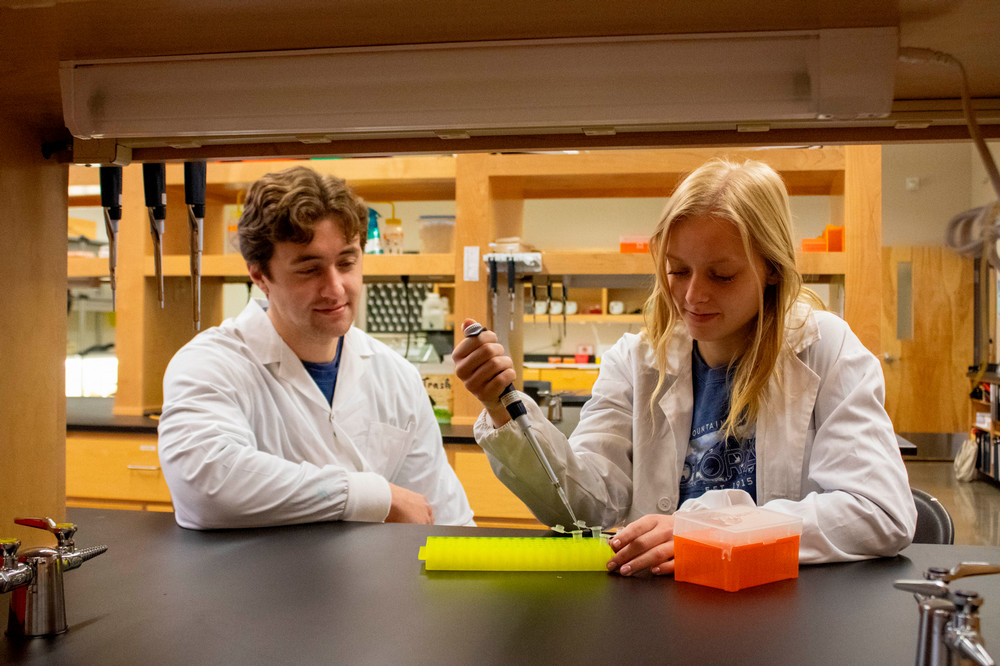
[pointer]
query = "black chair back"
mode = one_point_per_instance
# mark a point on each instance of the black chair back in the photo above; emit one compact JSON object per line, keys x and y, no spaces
{"x":934,"y":524}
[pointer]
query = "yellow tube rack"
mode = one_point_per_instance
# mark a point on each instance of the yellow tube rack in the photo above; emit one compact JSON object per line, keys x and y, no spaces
{"x":515,"y":554}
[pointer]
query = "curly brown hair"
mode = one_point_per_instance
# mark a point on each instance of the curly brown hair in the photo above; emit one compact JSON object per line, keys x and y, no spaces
{"x":285,"y":207}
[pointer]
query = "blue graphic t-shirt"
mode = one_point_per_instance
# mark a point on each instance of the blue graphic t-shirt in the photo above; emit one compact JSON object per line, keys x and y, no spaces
{"x":325,"y":374}
{"x":711,"y":463}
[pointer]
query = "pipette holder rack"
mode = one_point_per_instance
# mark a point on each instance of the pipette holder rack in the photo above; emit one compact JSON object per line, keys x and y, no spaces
{"x":516,"y":553}
{"x":948,"y":633}
{"x":524,"y":262}
{"x":35,"y":578}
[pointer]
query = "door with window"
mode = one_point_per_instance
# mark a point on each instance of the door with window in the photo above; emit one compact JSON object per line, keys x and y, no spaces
{"x":927,"y":344}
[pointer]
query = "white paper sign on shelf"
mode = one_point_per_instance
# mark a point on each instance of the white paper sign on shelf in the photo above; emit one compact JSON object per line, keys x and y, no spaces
{"x":470,"y":265}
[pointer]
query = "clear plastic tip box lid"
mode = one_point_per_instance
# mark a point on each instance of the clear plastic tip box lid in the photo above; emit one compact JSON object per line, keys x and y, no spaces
{"x":736,"y":525}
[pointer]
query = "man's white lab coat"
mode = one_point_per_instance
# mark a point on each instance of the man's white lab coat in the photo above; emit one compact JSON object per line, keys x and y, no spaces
{"x":247,"y":439}
{"x":826,"y":449}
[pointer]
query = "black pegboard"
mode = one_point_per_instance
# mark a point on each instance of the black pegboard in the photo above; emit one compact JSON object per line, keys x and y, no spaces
{"x":395,"y":308}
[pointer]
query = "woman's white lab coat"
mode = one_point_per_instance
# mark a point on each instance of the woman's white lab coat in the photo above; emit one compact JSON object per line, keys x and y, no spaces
{"x":247,"y":439}
{"x":826,"y":450}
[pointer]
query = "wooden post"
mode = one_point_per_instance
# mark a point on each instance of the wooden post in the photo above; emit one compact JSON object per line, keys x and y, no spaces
{"x":863,"y":243}
{"x":33,"y":202}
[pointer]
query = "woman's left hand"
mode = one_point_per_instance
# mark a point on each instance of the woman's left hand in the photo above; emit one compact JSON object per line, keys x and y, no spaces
{"x":647,"y":543}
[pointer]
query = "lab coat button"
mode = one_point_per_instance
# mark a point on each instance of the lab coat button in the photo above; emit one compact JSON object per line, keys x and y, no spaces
{"x":664,"y":504}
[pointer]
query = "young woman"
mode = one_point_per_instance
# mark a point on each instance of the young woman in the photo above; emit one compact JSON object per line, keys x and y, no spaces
{"x":737,"y":391}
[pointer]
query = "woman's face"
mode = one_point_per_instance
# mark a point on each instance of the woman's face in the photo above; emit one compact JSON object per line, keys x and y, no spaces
{"x":715,"y":288}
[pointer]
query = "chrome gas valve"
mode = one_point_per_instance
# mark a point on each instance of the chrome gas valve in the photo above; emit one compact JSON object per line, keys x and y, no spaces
{"x":35,"y":578}
{"x":948,"y":633}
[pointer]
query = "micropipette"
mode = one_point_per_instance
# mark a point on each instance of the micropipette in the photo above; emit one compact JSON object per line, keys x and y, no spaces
{"x":510,"y":289}
{"x":512,"y":403}
{"x":154,"y":181}
{"x":111,"y":201}
{"x":493,"y":288}
{"x":195,"y":177}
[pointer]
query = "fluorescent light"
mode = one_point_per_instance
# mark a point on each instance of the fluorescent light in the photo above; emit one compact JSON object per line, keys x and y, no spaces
{"x":450,"y":90}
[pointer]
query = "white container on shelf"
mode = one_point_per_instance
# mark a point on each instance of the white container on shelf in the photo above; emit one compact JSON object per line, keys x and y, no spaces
{"x":392,"y":235}
{"x":433,"y":312}
{"x":437,"y":233}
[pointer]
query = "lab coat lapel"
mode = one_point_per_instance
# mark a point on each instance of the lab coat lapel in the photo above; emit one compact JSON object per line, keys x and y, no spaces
{"x":290,"y":369}
{"x":786,"y":416}
{"x":351,"y":389}
{"x":258,"y":332}
{"x":350,"y":377}
{"x":677,"y":399}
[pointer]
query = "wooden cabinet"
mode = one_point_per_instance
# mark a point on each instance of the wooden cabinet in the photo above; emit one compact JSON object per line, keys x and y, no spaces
{"x":489,"y":192}
{"x":115,"y":470}
{"x":112,"y":470}
{"x":492,"y":504}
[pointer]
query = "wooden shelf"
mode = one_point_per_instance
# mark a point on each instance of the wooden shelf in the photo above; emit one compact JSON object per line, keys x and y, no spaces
{"x":595,"y":262}
{"x":609,"y":262}
{"x":651,"y":173}
{"x":414,"y":265}
{"x":382,"y":179}
{"x":543,"y":319}
{"x":233,"y":265}
{"x":821,"y":263}
{"x":87,"y":267}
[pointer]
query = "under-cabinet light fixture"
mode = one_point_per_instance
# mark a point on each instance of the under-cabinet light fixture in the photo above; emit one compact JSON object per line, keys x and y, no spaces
{"x":481,"y":88}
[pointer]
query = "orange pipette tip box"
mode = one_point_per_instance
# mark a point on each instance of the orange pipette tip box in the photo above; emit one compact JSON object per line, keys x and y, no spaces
{"x":633,"y":244}
{"x":735,"y":547}
{"x":814,"y":244}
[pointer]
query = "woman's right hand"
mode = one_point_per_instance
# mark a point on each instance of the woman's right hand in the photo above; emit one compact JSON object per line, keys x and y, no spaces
{"x":646,"y":543}
{"x":486,"y":370}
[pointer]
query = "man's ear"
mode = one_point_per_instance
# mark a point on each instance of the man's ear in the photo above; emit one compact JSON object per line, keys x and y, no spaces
{"x":257,"y":276}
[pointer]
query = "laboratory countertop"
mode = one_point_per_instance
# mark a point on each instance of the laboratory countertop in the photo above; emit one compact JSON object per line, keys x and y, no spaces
{"x":356,"y":593}
{"x":95,"y":415}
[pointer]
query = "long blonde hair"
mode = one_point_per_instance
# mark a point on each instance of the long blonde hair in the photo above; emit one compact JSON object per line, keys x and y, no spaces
{"x":753,"y":197}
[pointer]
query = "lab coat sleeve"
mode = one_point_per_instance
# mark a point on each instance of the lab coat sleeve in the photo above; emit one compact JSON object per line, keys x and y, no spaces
{"x":425,"y":468}
{"x":217,"y":474}
{"x":860,"y":504}
{"x":594,"y":466}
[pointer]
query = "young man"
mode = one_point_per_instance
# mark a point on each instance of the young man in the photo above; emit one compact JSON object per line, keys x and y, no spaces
{"x":288,"y":414}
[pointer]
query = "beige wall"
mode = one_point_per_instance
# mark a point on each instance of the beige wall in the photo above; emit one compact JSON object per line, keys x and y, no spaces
{"x":982,"y":190}
{"x":32,"y":333}
{"x":944,"y":177}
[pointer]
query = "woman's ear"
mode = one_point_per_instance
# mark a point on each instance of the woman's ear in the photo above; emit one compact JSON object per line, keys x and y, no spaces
{"x":772,"y":276}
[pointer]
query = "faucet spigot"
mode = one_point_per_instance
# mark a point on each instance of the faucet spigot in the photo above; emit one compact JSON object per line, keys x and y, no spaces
{"x":35,"y":578}
{"x":949,"y":620}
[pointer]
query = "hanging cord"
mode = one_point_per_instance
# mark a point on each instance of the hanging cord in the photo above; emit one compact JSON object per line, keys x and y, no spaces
{"x":974,"y":232}
{"x":962,"y":235}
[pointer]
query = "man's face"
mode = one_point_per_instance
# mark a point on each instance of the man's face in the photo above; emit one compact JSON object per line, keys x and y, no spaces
{"x":313,"y":290}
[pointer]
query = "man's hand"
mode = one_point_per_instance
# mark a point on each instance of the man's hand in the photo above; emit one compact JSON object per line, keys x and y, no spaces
{"x":409,"y":507}
{"x":647,"y":543}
